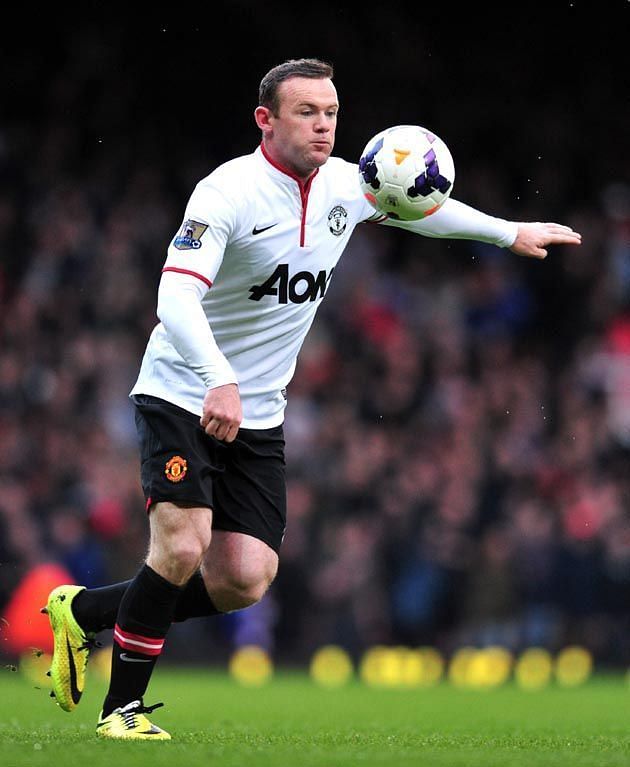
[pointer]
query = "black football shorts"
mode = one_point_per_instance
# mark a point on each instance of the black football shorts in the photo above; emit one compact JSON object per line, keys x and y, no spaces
{"x":243,"y":482}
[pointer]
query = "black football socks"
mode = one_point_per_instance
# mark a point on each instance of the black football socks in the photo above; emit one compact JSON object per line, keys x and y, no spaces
{"x":194,"y":601}
{"x":96,"y":609}
{"x":144,"y":617}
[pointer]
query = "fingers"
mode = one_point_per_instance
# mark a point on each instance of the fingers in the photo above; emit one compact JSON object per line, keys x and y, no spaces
{"x":563,"y":239}
{"x":558,"y":227}
{"x":231,"y":433}
{"x":534,"y":237}
{"x":225,"y":431}
{"x":560,"y":234}
{"x":222,"y":412}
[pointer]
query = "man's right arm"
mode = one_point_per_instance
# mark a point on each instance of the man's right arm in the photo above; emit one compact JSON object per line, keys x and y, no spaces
{"x":180,"y":311}
{"x":193,"y":261}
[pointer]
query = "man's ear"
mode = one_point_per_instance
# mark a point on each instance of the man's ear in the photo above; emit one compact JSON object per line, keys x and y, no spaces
{"x":263,"y":117}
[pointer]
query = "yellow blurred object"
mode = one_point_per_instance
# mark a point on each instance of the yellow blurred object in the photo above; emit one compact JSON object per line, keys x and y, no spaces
{"x":533,"y":668}
{"x":34,"y":665}
{"x":331,"y":666}
{"x":459,"y":666}
{"x":573,"y":666}
{"x":409,"y":667}
{"x":489,"y":667}
{"x":401,"y":666}
{"x":419,"y":667}
{"x":100,"y":663}
{"x":251,"y":666}
{"x":432,"y":666}
{"x":383,"y":666}
{"x":372,"y":665}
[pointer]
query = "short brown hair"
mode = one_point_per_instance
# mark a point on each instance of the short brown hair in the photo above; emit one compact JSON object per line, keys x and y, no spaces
{"x":268,"y":90}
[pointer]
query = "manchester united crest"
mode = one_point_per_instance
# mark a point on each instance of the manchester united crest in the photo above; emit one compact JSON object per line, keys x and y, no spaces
{"x":176,"y":468}
{"x":337,"y":220}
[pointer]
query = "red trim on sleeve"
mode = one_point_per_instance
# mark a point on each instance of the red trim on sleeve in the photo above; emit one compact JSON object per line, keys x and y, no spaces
{"x":187,"y":271}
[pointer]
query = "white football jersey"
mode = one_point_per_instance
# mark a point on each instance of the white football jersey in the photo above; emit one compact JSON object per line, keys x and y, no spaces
{"x":265,"y":244}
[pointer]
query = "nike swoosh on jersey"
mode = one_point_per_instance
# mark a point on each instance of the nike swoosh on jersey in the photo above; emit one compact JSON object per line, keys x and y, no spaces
{"x":125,"y":657}
{"x":256,"y":230}
{"x":74,"y":690}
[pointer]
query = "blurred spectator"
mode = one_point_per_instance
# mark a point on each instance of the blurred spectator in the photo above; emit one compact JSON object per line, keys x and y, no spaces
{"x":458,"y":428}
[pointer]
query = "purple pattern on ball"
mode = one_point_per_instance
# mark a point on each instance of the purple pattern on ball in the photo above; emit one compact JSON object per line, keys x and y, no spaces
{"x":367,"y":165}
{"x":430,"y":180}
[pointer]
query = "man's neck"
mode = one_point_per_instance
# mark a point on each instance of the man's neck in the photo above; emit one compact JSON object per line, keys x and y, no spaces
{"x":298,"y":174}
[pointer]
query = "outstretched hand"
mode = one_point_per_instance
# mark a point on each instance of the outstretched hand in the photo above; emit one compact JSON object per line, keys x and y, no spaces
{"x":533,"y":238}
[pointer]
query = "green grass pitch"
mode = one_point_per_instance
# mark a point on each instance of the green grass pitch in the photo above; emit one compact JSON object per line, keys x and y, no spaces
{"x":293,"y":722}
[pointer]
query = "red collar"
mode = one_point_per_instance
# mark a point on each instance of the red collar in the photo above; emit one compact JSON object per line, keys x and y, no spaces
{"x":303,"y":184}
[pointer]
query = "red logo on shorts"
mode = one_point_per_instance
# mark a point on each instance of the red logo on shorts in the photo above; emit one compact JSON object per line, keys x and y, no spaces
{"x":176,"y":468}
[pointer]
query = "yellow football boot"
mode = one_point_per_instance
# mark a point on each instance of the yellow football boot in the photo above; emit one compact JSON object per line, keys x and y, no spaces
{"x":71,"y":649}
{"x":130,"y":723}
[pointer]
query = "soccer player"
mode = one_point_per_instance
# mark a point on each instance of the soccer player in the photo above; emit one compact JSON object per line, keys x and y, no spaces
{"x":243,"y":279}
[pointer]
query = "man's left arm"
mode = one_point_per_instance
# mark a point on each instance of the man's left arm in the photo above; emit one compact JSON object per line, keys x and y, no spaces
{"x":456,"y":220}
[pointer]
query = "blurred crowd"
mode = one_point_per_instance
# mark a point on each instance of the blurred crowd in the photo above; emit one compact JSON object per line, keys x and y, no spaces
{"x":458,"y":428}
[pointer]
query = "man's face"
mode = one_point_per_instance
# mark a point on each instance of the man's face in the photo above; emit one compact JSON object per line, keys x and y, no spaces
{"x":302,"y":135}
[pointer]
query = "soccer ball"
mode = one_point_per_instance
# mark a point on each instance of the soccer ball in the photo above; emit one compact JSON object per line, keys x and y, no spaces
{"x":406,"y":172}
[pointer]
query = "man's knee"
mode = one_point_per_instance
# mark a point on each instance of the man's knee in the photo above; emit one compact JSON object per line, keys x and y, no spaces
{"x":179,"y":539}
{"x":238,"y":569}
{"x":185,"y":553}
{"x":237,"y":589}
